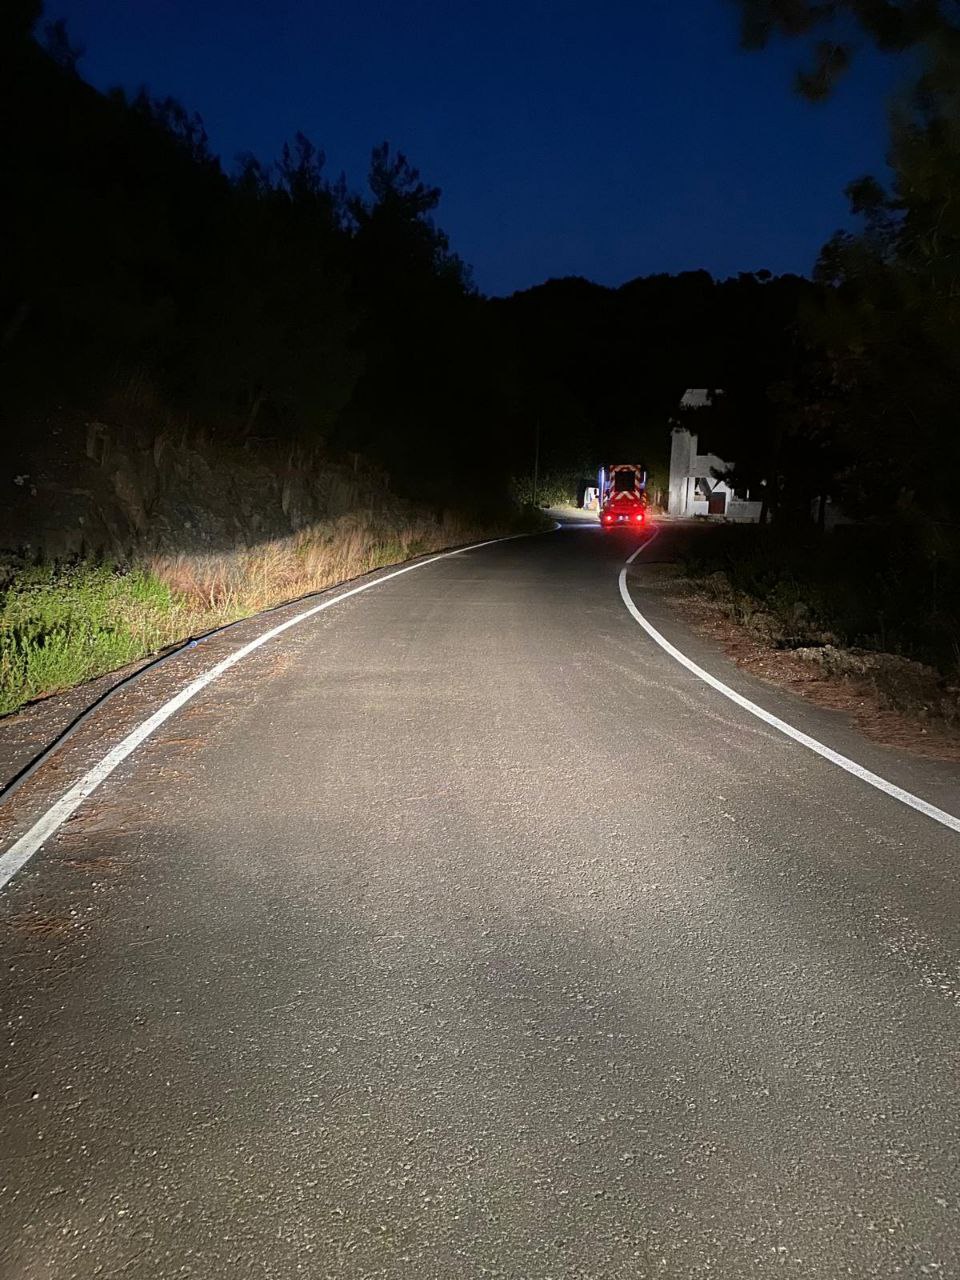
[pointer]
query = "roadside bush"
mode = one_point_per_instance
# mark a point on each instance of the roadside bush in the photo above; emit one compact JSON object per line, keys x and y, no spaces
{"x":554,"y":488}
{"x":893,"y":589}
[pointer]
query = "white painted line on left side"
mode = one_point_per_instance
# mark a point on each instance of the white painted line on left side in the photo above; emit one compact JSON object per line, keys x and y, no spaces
{"x":22,"y":850}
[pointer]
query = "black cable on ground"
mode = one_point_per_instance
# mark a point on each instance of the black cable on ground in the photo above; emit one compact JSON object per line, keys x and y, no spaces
{"x":62,"y":738}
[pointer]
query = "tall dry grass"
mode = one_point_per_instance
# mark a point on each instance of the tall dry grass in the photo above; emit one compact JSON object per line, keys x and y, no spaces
{"x":223,"y":586}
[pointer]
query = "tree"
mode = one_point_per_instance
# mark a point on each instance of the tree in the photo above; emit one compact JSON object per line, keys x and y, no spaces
{"x":889,"y":331}
{"x":66,"y":53}
{"x":833,"y":30}
{"x":421,"y":405}
{"x":18,"y":18}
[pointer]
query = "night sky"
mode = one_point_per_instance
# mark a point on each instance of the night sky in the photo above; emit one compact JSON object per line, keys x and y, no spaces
{"x":601,"y":139}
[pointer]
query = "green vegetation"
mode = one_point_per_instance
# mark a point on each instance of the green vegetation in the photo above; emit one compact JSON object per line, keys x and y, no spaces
{"x":553,"y":489}
{"x":60,"y":626}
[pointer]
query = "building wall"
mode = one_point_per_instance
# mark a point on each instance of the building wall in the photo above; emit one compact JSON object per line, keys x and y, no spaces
{"x":704,"y":464}
{"x":739,"y":509}
{"x":683,"y":448}
{"x":686,"y":467}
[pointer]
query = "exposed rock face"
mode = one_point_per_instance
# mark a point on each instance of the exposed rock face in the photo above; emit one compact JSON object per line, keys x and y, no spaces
{"x":79,"y":486}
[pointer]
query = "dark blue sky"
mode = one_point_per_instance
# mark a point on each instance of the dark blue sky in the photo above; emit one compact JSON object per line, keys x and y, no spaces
{"x":601,"y":138}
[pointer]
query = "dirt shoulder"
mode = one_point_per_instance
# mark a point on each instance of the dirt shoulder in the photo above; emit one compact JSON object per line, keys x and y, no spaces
{"x":25,"y":733}
{"x":892,"y":700}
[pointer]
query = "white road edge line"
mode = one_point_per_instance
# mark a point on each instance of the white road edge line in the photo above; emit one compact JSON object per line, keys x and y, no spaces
{"x":22,"y":850}
{"x":843,"y":762}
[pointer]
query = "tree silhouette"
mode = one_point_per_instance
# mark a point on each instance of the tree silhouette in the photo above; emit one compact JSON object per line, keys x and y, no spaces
{"x":833,"y":29}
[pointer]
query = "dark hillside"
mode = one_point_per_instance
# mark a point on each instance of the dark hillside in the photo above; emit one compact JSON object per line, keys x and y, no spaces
{"x":274,"y":308}
{"x":268,"y":304}
{"x":605,"y":368}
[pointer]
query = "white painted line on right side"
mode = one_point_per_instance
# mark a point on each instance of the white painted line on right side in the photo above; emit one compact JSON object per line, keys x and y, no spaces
{"x":843,"y":762}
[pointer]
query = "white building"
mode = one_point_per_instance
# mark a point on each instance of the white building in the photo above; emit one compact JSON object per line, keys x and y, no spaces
{"x":695,"y":489}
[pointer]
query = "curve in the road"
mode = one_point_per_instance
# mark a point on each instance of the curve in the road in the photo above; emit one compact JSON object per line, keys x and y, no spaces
{"x":23,"y":849}
{"x":804,"y":739}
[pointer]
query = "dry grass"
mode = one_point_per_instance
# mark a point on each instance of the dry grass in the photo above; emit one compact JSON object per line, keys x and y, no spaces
{"x":218,"y":588}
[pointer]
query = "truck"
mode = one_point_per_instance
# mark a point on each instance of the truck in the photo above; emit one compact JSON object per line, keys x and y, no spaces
{"x":623,"y":496}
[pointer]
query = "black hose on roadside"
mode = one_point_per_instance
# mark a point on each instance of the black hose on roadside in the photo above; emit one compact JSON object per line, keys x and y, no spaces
{"x":16,"y":782}
{"x":62,"y":738}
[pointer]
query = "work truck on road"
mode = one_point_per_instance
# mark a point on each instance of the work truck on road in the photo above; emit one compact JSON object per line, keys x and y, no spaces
{"x":623,"y":496}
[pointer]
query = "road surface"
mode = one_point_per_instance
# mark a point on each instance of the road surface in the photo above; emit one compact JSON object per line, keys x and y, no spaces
{"x":461,"y":932}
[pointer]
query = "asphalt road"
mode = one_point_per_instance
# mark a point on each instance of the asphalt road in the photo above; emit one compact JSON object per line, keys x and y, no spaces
{"x":461,"y":932}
